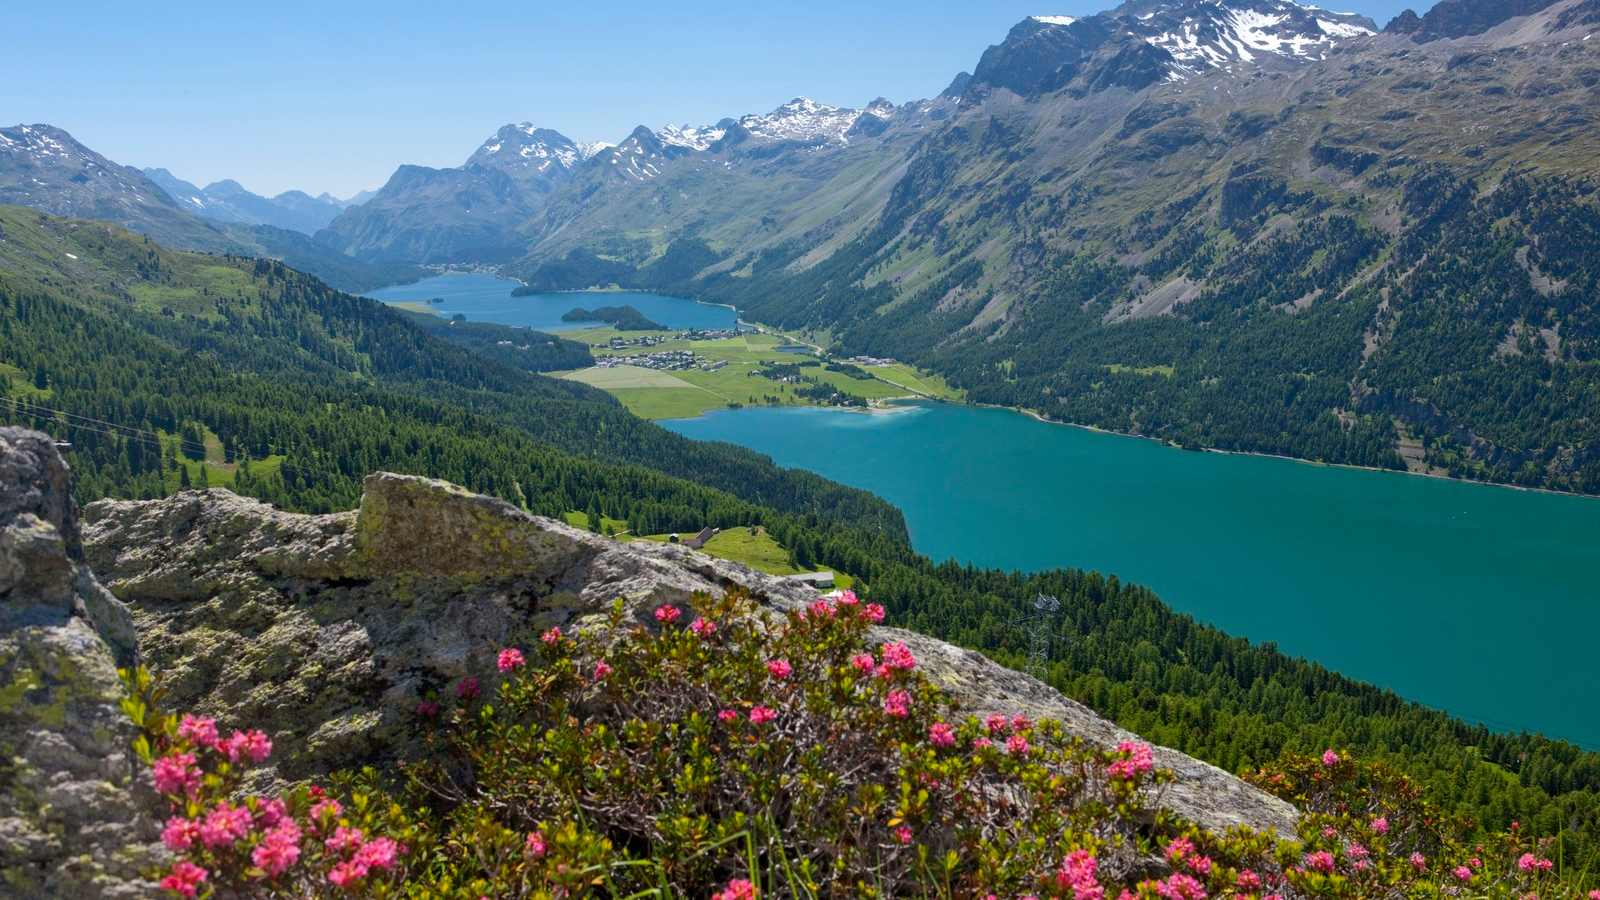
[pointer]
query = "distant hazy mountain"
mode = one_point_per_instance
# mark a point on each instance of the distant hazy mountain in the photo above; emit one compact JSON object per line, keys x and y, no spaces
{"x":45,"y":168}
{"x":228,"y":201}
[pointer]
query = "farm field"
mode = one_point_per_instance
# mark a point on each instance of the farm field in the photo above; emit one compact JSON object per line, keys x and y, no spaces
{"x":658,"y":394}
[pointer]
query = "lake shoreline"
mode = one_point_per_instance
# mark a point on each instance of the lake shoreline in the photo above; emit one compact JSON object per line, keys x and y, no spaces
{"x":1047,"y":420}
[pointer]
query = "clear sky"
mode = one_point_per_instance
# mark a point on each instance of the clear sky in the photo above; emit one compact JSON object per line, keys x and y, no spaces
{"x":331,"y":96}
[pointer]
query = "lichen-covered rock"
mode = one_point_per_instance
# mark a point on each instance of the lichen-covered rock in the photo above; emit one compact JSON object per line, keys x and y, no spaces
{"x":328,"y":630}
{"x":71,"y":807}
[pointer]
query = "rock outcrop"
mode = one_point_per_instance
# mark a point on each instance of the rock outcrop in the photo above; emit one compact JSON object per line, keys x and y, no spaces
{"x":72,"y":820}
{"x":328,"y":630}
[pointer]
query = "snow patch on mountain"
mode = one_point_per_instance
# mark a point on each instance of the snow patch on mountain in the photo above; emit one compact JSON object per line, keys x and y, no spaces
{"x":803,"y":119}
{"x":1224,"y":33}
{"x":694,"y":138}
{"x":1054,"y":20}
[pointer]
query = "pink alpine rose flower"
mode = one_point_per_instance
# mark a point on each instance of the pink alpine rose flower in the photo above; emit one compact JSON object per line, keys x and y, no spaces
{"x":779,"y":668}
{"x":737,"y":889}
{"x":702,"y":628}
{"x":1330,"y":758}
{"x":510,"y":660}
{"x":242,"y":744}
{"x":666,"y":614}
{"x":198,"y":730}
{"x":534,"y":846}
{"x":872,"y":612}
{"x":1320,"y":861}
{"x":184,"y":879}
{"x":176,"y":773}
{"x":180,"y":833}
{"x":601,"y":670}
{"x":727,"y":715}
{"x":761,"y":715}
{"x":942,"y":734}
{"x":551,"y":636}
{"x":897,"y":704}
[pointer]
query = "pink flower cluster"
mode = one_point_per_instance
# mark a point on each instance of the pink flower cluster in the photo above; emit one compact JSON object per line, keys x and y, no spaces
{"x":667,"y":614}
{"x":551,"y":636}
{"x":761,"y":715}
{"x":534,"y":846}
{"x":1079,"y":874}
{"x":897,"y":657}
{"x":779,"y":668}
{"x":176,"y":773}
{"x":361,"y":855}
{"x":703,"y":628}
{"x":942,"y":734}
{"x":185,"y":879}
{"x":1530,"y":863}
{"x":1320,"y":861}
{"x":1137,"y":759}
{"x":897,"y":704}
{"x":510,"y":660}
{"x":737,"y":889}
{"x":279,"y":849}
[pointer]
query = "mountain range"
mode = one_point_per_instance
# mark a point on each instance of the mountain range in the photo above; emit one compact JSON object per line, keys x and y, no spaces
{"x":228,"y":201}
{"x":45,"y":168}
{"x":1241,"y":224}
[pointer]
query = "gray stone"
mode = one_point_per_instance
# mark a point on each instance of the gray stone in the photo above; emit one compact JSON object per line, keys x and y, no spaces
{"x":74,"y":816}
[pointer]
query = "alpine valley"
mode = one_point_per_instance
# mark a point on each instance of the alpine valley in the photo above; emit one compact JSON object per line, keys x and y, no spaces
{"x":1248,"y":225}
{"x":339,"y":554}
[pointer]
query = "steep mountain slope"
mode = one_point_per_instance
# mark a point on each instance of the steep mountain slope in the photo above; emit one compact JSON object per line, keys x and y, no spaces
{"x":44,"y":168}
{"x":1273,"y":231}
{"x":228,"y":201}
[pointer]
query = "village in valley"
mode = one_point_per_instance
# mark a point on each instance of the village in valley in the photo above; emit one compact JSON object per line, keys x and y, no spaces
{"x":681,"y":373}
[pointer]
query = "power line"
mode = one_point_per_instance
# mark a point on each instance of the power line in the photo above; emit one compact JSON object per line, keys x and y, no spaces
{"x":127,"y":432}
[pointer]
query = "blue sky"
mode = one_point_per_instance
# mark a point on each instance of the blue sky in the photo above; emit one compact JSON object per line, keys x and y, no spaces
{"x":332,"y":96}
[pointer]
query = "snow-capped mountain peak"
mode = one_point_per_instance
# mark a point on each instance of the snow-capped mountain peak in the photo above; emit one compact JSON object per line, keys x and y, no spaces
{"x":803,"y":119}
{"x":587,"y":149}
{"x":1224,"y":33}
{"x":530,"y":149}
{"x":691,"y":137}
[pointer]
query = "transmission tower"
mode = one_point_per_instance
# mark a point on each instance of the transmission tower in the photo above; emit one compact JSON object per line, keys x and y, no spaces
{"x":1040,"y":628}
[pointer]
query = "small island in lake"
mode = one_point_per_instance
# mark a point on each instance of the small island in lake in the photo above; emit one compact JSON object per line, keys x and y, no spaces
{"x":623,"y":318}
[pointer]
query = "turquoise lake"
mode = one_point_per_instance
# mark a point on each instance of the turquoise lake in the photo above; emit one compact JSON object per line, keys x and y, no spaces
{"x":1481,"y":600}
{"x":487,"y":298}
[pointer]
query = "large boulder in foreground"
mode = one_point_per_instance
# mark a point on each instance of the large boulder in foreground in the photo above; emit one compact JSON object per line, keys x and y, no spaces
{"x":72,"y":815}
{"x":327,"y":631}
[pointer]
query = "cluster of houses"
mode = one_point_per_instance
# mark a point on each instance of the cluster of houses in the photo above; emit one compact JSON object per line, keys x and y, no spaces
{"x":666,"y":360}
{"x":872,"y":360}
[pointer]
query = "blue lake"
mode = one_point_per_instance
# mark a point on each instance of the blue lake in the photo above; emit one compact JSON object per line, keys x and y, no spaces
{"x":1481,"y":600}
{"x":487,"y":298}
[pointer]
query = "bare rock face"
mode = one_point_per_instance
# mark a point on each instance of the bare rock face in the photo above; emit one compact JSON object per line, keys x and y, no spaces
{"x":72,"y":820}
{"x":326,"y":631}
